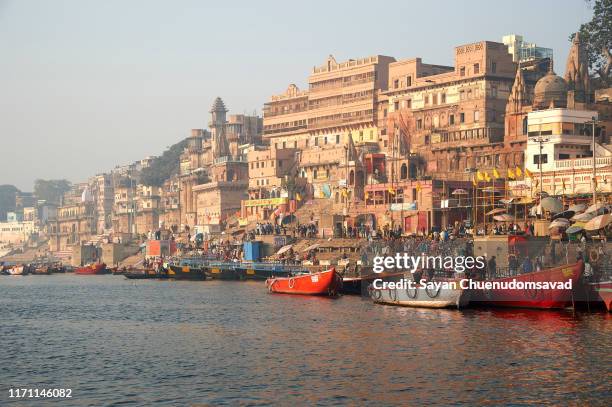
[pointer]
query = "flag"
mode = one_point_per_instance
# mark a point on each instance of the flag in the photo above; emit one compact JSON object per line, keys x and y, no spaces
{"x":391,"y":190}
{"x":511,"y":174}
{"x":563,"y":183}
{"x":487,"y":177}
{"x":344,"y":192}
{"x":418,"y":187}
{"x":480,"y":176}
{"x":496,"y":173}
{"x":528,"y":173}
{"x":298,"y":197}
{"x":474,"y":181}
{"x":518,"y":172}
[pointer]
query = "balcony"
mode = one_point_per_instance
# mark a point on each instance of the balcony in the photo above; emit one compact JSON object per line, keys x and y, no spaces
{"x":582,"y":163}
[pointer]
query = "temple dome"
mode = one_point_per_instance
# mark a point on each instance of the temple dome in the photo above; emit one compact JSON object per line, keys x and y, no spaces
{"x":550,"y":91}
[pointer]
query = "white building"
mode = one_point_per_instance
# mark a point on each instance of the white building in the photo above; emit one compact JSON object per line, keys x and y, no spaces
{"x":523,"y":51}
{"x":17,"y":232}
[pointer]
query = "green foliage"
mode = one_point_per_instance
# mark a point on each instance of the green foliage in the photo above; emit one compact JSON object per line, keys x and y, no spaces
{"x":51,"y":190}
{"x":7,"y":200}
{"x":597,"y":37}
{"x":163,"y":167}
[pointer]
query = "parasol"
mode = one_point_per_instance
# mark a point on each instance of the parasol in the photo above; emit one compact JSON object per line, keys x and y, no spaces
{"x":595,"y":207}
{"x":577,"y":208}
{"x":496,"y":211}
{"x":552,"y":204}
{"x":559,"y":223}
{"x":598,"y":222}
{"x":574,"y":229}
{"x":459,"y":192}
{"x":503,"y":218}
{"x":565,"y":214}
{"x":583,"y":217}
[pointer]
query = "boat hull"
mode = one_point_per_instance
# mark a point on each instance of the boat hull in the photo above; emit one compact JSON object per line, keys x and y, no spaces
{"x":219,"y":273}
{"x":602,"y":292}
{"x":143,"y":275}
{"x":537,"y":298}
{"x":186,"y":273}
{"x":16,"y":271}
{"x":449,"y":295}
{"x":98,"y":268}
{"x":323,"y":283}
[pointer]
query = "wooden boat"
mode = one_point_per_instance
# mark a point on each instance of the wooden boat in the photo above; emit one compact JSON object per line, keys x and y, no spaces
{"x":144,"y":275}
{"x":16,"y":271}
{"x":358,"y":284}
{"x":437,"y":293}
{"x":322,"y":283}
{"x":219,"y":272}
{"x":41,"y":269}
{"x":186,"y":272}
{"x":94,"y":268}
{"x":533,"y":298}
{"x":601,"y":292}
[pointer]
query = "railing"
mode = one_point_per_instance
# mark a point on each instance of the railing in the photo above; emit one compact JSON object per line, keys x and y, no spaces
{"x":583,"y":162}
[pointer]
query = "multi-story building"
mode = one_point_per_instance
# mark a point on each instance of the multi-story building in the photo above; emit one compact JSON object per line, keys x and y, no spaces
{"x":523,"y":51}
{"x":452,"y":118}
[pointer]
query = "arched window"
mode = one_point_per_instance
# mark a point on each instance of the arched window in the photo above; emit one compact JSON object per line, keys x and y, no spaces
{"x":524,"y":125}
{"x":404,"y":171}
{"x":352,"y":177}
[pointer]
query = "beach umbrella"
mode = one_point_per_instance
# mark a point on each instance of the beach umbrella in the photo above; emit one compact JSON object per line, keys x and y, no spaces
{"x":595,"y":207}
{"x":577,"y":208}
{"x":496,"y":211}
{"x":459,"y":192}
{"x":552,"y":204}
{"x":574,"y":229}
{"x":284,"y":249}
{"x":598,"y":222}
{"x":565,"y":214}
{"x":503,"y":218}
{"x":583,"y":217}
{"x":559,"y":223}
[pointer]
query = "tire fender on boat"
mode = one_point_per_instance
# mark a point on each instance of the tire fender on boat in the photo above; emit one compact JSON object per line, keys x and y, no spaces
{"x":594,"y":255}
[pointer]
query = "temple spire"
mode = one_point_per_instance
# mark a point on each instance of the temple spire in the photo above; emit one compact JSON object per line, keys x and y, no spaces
{"x":576,"y":70}
{"x":518,"y":94}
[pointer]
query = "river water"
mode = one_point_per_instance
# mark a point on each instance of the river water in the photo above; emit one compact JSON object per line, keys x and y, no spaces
{"x":117,"y":341}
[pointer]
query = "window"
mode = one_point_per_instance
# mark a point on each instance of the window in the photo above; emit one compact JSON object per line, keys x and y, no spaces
{"x":536,"y":159}
{"x":493,"y":67}
{"x":426,"y":99}
{"x":462,"y":71}
{"x":396,"y":83}
{"x":476,"y":115}
{"x":476,"y":69}
{"x":409,"y":80}
{"x":280,"y":163}
{"x":461,"y":117}
{"x":295,"y":144}
{"x":426,"y":139}
{"x":396,"y":106}
{"x":443,"y":98}
{"x":419,"y":124}
{"x":337,"y":139}
{"x":325,"y":140}
{"x":284,"y":144}
{"x":409,"y":103}
{"x":434,"y":99}
{"x":451,"y":119}
{"x":524,"y":125}
{"x":563,"y":156}
{"x":314,"y":174}
{"x":385,"y":113}
{"x":316,"y":141}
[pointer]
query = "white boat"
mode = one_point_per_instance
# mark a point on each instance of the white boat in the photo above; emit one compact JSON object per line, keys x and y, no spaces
{"x":15,"y":271}
{"x":437,"y":293}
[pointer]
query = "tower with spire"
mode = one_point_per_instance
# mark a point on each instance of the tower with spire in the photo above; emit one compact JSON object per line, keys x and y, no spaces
{"x":577,"y":73}
{"x":219,"y":143}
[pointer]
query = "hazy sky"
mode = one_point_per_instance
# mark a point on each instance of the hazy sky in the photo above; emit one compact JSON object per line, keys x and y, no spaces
{"x":87,"y":85}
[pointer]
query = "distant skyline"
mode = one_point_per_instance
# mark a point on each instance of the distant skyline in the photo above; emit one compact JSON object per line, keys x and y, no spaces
{"x":88,"y":85}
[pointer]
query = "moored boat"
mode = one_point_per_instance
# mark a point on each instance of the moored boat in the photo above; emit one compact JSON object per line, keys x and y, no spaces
{"x":219,"y":272}
{"x":186,"y":272}
{"x":437,"y":293}
{"x":602,"y":292}
{"x":144,"y":274}
{"x":16,"y":271}
{"x":529,"y":296}
{"x":94,"y":268}
{"x":326,"y":282}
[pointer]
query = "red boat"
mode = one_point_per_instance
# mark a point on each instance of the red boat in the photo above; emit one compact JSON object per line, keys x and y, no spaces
{"x":323,"y":283}
{"x":542,"y":298}
{"x":95,"y":268}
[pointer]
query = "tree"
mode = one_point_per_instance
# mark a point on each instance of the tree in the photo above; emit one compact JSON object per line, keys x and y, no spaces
{"x":597,"y":38}
{"x":164,"y":166}
{"x":51,"y":190}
